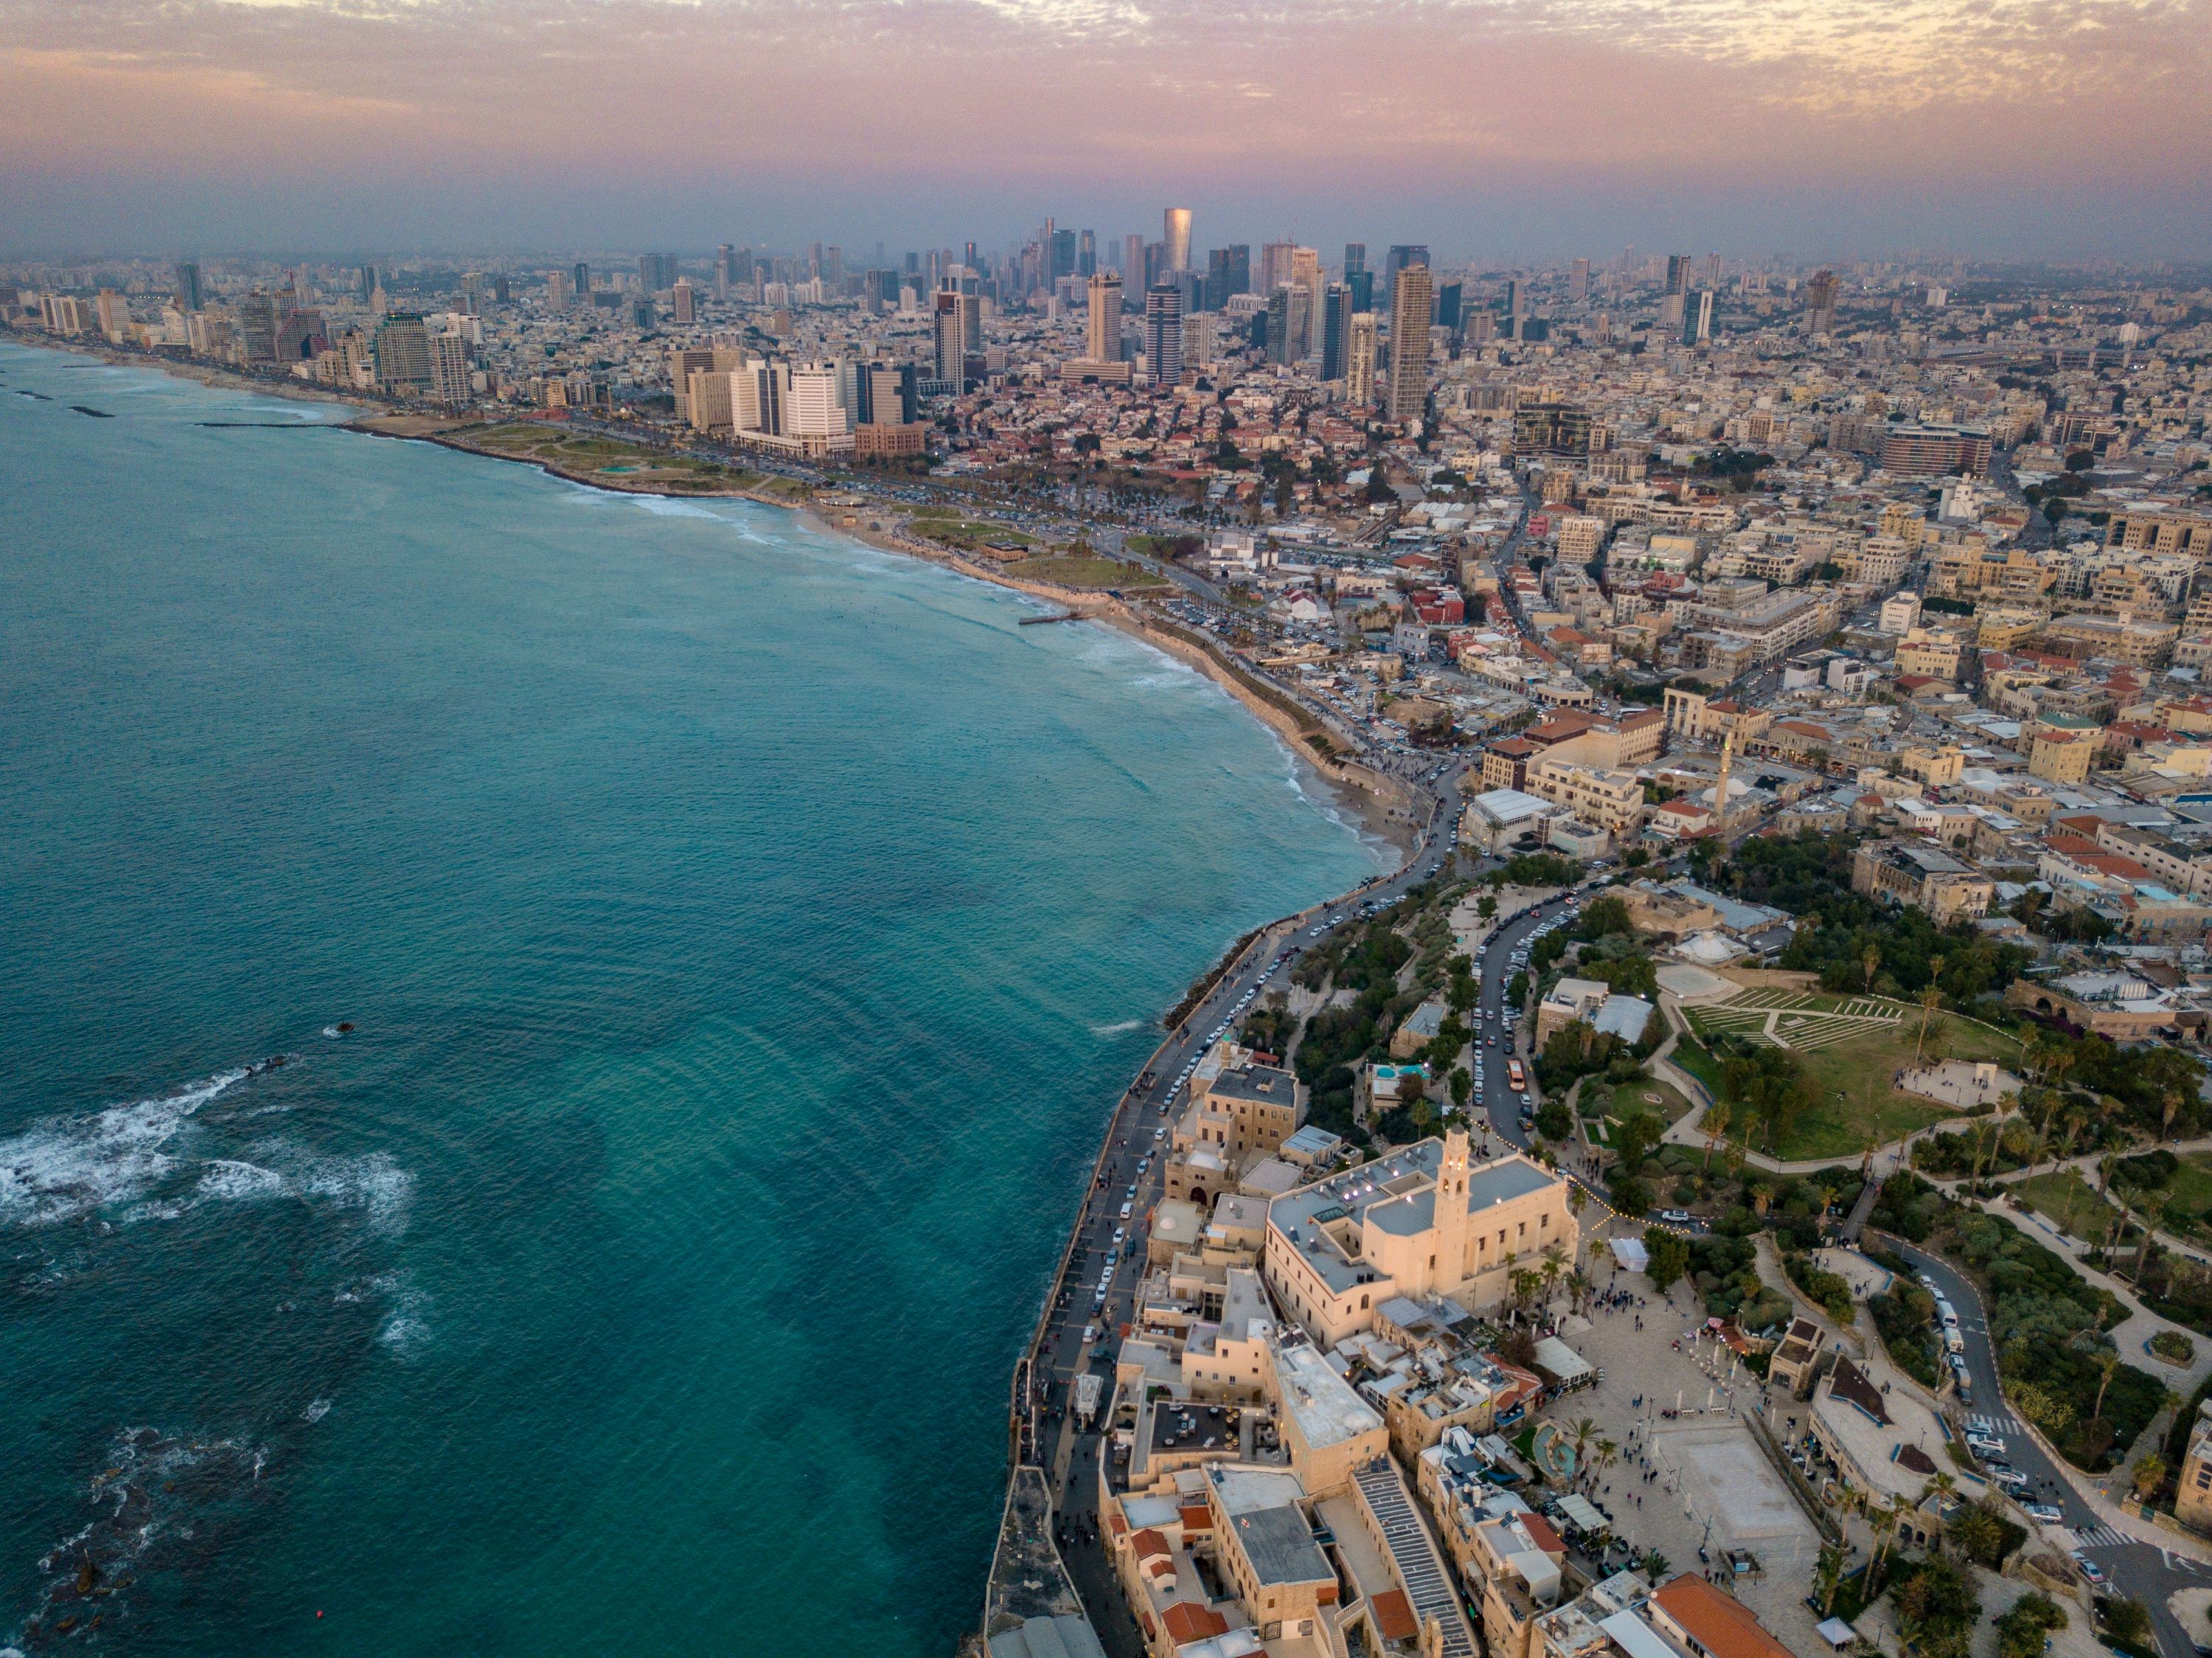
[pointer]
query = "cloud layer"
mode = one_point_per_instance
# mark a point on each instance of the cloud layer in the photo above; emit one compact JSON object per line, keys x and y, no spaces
{"x":2006,"y":124}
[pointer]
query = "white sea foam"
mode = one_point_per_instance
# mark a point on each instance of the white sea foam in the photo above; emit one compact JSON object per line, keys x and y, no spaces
{"x":667,"y":506}
{"x":67,"y":1167}
{"x":374,"y":1184}
{"x":1126,"y":1025}
{"x":407,"y":1328}
{"x":227,"y":1181}
{"x":316,"y":1410}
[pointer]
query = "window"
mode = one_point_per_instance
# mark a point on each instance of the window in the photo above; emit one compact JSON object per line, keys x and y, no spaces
{"x":1543,"y":1223}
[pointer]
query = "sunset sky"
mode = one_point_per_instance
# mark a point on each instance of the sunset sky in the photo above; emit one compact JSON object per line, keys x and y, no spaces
{"x":2029,"y":127}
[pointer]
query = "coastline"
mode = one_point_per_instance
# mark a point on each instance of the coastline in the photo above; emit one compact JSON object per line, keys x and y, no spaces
{"x":1380,"y":805}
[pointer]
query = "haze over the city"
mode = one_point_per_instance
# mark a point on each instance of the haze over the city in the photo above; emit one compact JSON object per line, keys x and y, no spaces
{"x":2008,"y":129}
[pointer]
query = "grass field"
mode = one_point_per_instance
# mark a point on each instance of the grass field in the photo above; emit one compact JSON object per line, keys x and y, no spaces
{"x":967,"y":533}
{"x":1080,"y":572}
{"x":2069,"y":1201}
{"x":631,"y":465}
{"x":1850,"y":1048}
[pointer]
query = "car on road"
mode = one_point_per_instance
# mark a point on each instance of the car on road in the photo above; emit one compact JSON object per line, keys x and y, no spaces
{"x":2090,"y":1569}
{"x":1675,"y":1216}
{"x":1985,"y":1445}
{"x":2049,"y":1513}
{"x":1160,"y":1134}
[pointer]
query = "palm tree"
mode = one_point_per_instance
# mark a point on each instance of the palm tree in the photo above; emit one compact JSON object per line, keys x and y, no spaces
{"x":1930,"y":999}
{"x":1828,"y":1578}
{"x":1579,"y":1437}
{"x":1761,"y":1195}
{"x":2108,"y":1365}
{"x":1656,"y":1565}
{"x":1869,"y":961}
{"x":1578,"y":1286}
{"x":1715,"y":1124}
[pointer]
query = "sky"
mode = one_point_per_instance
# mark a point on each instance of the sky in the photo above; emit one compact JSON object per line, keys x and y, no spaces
{"x":2062,"y":129}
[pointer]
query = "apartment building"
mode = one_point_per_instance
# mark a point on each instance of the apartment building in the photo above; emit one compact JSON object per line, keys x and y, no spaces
{"x":1935,"y":653}
{"x":1613,"y":801}
{"x":1905,"y":872}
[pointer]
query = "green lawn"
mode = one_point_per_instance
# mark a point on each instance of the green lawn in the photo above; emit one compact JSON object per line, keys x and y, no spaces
{"x":1694,"y":1057}
{"x":2069,"y":1201}
{"x":1080,"y":572}
{"x":967,"y":532}
{"x":1630,"y":1099}
{"x":1850,"y":1049}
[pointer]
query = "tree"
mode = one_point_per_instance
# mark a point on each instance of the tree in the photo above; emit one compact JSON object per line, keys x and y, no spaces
{"x":1828,"y":1578}
{"x":1462,"y":1086}
{"x":2108,"y":1365}
{"x":2128,"y":1621}
{"x":1631,"y":1197}
{"x":1667,"y":1257}
{"x":1869,"y":961}
{"x":1486,"y":905}
{"x":1715,"y":1123}
{"x":1930,"y":999}
{"x":2149,"y":1475}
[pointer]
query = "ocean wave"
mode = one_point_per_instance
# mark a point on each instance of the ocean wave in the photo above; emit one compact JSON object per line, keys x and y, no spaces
{"x":407,"y":1326}
{"x":65,"y":1167}
{"x":1121,"y":1028}
{"x":669,"y":506}
{"x":227,"y":1180}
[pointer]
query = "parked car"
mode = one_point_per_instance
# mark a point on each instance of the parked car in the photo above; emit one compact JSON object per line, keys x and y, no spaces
{"x":2090,"y":1569}
{"x":1675,"y":1216}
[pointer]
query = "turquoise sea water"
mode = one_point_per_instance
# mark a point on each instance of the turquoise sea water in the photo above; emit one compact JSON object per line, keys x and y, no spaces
{"x":746,"y":934}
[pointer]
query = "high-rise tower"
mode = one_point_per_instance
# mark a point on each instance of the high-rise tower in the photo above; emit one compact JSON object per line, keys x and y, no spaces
{"x":1411,"y":306}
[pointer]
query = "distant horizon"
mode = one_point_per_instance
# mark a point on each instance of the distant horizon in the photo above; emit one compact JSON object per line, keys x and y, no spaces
{"x":1989,"y":130}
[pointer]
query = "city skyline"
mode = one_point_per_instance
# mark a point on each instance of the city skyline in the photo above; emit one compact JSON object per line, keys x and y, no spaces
{"x":1573,"y":125}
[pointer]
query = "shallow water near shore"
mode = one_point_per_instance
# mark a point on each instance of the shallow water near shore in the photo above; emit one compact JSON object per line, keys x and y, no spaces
{"x":745,"y":934}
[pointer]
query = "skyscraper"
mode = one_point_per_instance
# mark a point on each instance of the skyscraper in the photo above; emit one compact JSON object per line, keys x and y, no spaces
{"x":191,"y":295}
{"x":367,"y":285}
{"x":1678,"y":273}
{"x":1086,"y":254}
{"x":949,"y":318}
{"x":1357,"y":278}
{"x":1132,"y":262}
{"x":1414,"y":300}
{"x":1447,"y":310}
{"x":1276,"y":264}
{"x":1228,"y":273}
{"x":1401,"y":255}
{"x":726,"y":259}
{"x":1305,"y":274}
{"x":681,"y":301}
{"x":580,"y":276}
{"x":1360,"y":360}
{"x":656,"y":272}
{"x":1698,"y":325}
{"x":1063,"y":255}
{"x":1163,"y":332}
{"x":1102,"y":336}
{"x":1820,"y":302}
{"x":1335,"y":327}
{"x":403,"y":354}
{"x":1578,"y":282}
{"x":1176,"y":222}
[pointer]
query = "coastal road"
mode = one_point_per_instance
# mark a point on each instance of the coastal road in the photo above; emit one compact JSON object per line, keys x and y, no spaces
{"x":1496,"y":1097}
{"x":1129,"y":1173}
{"x":2140,"y":1571}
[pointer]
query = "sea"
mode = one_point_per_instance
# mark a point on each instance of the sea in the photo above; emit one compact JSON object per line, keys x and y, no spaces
{"x":548,"y":1040}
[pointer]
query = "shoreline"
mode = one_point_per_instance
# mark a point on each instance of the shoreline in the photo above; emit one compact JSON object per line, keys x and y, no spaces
{"x":1381,"y":806}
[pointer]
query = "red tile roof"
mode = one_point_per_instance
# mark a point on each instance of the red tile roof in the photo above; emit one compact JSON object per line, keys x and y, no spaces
{"x":1188,"y":1621}
{"x":1394,"y":1617}
{"x":1724,"y":1628}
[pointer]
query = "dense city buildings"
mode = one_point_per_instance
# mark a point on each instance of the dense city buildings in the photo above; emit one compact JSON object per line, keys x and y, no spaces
{"x":1612,"y":572}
